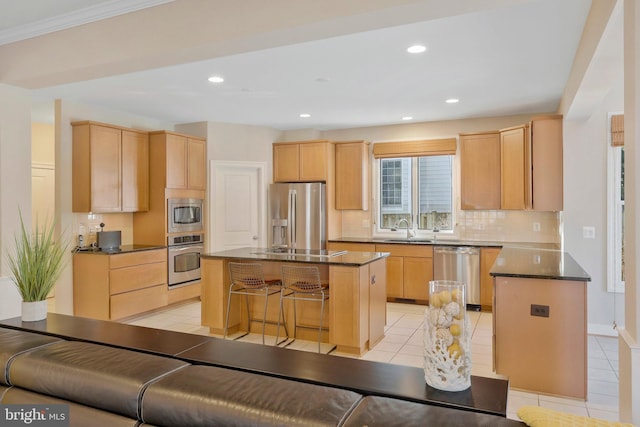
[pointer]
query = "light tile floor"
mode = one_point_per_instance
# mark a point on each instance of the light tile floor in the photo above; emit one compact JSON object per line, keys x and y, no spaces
{"x":402,"y":345}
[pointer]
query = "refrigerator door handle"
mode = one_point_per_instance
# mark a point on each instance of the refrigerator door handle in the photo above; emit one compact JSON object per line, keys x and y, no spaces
{"x":292,"y":218}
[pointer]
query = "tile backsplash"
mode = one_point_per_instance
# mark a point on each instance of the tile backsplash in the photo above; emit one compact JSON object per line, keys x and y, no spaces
{"x":88,"y":224}
{"x":495,"y":226}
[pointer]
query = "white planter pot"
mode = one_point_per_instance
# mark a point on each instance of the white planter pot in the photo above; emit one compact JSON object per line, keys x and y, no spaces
{"x":34,"y":311}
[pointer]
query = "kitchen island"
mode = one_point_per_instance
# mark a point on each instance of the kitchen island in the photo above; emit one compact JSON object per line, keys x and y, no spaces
{"x":540,"y":321}
{"x":356,"y":313}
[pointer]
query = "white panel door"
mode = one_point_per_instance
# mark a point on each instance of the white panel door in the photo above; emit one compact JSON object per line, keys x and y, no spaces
{"x":236,"y":205}
{"x":42,"y":195}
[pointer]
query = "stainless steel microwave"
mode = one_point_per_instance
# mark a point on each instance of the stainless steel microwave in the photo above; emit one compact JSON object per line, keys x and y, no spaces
{"x":185,"y":215}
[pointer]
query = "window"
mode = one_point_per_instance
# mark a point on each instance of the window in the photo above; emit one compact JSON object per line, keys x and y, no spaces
{"x":416,"y":188}
{"x":615,"y":205}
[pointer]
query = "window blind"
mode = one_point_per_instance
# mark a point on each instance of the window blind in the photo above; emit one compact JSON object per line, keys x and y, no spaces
{"x":617,"y":130}
{"x":429,"y":147}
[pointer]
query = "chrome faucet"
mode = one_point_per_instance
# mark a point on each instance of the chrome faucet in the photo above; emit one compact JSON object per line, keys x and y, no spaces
{"x":410,"y":232}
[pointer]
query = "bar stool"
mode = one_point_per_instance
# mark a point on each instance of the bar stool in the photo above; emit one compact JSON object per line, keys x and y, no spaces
{"x":302,"y":283}
{"x":248,"y":279}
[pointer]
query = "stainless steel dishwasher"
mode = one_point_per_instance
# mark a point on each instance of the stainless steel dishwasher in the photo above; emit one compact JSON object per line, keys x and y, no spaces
{"x":460,"y":263}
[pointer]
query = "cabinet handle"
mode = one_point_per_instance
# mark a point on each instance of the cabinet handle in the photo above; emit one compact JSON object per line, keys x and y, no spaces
{"x":373,"y":279}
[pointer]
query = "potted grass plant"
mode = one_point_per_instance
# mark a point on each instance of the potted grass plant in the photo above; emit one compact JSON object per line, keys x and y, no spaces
{"x":36,"y":262}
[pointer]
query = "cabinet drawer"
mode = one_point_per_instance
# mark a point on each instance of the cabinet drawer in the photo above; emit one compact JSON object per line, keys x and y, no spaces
{"x":412,"y":250}
{"x":137,"y":258}
{"x":137,"y":277}
{"x":130,"y":303}
{"x":351,"y":247}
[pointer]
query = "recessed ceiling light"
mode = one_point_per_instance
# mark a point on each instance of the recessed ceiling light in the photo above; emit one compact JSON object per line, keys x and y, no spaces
{"x":416,"y":48}
{"x":407,"y":118}
{"x":215,"y":79}
{"x":452,"y":101}
{"x":305,"y":115}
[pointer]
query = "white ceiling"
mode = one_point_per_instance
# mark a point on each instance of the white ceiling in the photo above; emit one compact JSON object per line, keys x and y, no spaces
{"x":500,"y":61}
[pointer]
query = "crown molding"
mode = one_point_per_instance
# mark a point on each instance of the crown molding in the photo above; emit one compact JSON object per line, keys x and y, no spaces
{"x":78,"y":17}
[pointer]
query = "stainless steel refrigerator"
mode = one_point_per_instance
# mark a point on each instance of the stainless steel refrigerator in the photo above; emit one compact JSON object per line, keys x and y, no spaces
{"x":297,"y":215}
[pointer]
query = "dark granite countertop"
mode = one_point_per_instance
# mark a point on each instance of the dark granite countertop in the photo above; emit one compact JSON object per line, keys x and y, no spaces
{"x":442,"y":241}
{"x":337,"y":258}
{"x":122,"y":250}
{"x":539,"y":264}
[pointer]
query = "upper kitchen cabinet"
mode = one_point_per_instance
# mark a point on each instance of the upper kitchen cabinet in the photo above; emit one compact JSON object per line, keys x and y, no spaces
{"x":515,"y":166}
{"x":184,"y":158}
{"x":480,"y":170}
{"x":110,"y":168}
{"x":301,"y":161}
{"x":352,"y":175}
{"x":546,"y":159}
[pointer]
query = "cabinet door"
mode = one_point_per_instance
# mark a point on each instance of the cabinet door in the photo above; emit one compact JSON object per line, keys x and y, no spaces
{"x":487,"y":258}
{"x":546,"y":159}
{"x":286,"y":163}
{"x":176,"y":161}
{"x":515,"y":162}
{"x":418,"y":272}
{"x":106,"y":154}
{"x":313,"y":161}
{"x":197,"y":161}
{"x":480,"y":171}
{"x":135,"y":171}
{"x":395,"y":277}
{"x":352,"y":175}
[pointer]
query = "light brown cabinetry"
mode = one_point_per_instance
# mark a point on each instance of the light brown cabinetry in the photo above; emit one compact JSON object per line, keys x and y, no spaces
{"x":352,"y":175}
{"x":515,"y":165}
{"x":480,"y":170}
{"x":109,"y":287}
{"x":515,"y":168}
{"x":300,"y":161}
{"x":488,"y":257}
{"x":110,"y":168}
{"x":183,"y":157}
{"x":543,"y":354}
{"x":546,"y":160}
{"x":409,"y":270}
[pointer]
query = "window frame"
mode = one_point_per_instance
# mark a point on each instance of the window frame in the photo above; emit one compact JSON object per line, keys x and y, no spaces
{"x":376,"y":196}
{"x":614,"y":215}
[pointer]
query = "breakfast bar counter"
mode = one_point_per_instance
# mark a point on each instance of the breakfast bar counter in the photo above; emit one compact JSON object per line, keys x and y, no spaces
{"x":356,"y":312}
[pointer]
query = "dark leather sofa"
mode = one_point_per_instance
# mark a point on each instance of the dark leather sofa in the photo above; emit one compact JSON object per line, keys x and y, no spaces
{"x":108,"y":386}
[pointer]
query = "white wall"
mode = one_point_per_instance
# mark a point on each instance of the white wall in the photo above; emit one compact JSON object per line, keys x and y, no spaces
{"x":585,"y":203}
{"x":15,"y":182}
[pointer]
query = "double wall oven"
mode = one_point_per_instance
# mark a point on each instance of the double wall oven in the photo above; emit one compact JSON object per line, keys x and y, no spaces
{"x":184,"y":216}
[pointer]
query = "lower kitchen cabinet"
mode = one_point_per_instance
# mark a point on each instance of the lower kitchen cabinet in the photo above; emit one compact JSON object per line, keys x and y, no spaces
{"x":409,"y":270}
{"x":487,"y":257}
{"x":109,"y":287}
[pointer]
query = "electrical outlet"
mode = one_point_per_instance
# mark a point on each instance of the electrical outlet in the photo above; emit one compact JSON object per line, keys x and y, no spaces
{"x":539,"y":310}
{"x":536,"y":226}
{"x":589,"y":232}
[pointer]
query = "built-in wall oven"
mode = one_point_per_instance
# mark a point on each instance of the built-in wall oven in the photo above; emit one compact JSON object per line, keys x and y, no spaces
{"x":184,"y":258}
{"x":184,"y":215}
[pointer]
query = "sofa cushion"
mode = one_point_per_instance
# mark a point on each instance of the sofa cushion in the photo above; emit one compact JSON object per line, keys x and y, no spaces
{"x":103,"y":377}
{"x":13,"y":343}
{"x":207,"y":395}
{"x":383,"y":411}
{"x":79,"y":415}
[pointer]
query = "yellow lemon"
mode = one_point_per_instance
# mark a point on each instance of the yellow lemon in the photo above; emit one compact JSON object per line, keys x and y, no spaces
{"x":454,"y":350}
{"x":455,"y":329}
{"x":445,"y":297}
{"x":435,"y":301}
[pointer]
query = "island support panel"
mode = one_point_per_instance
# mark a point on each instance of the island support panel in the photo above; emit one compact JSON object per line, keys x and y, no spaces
{"x":540,"y":335}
